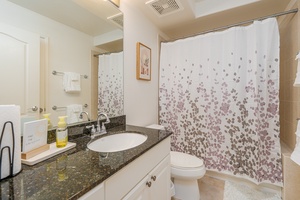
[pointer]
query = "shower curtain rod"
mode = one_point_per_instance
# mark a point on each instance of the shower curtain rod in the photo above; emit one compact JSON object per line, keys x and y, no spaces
{"x":242,"y":23}
{"x":107,"y":53}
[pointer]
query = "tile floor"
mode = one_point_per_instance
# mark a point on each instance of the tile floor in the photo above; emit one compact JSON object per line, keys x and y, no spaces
{"x":211,"y":188}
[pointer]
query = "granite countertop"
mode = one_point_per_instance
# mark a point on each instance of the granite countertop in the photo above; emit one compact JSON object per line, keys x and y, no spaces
{"x":71,"y":174}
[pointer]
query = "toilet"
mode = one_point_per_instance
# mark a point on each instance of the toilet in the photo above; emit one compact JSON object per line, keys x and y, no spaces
{"x":185,"y":171}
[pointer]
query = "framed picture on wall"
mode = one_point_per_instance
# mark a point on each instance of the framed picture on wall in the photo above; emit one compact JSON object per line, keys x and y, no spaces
{"x":143,"y":62}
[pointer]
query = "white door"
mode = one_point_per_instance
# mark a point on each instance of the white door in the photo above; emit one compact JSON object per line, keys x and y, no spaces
{"x":19,"y":69}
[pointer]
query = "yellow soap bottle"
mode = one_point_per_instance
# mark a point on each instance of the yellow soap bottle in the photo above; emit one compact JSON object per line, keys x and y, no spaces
{"x":47,"y":116}
{"x":61,"y":132}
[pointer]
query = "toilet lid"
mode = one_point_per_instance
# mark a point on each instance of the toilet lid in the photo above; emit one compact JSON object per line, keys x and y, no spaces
{"x":179,"y":159}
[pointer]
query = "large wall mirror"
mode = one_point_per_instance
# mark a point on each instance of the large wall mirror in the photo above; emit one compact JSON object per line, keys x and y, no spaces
{"x":97,"y":48}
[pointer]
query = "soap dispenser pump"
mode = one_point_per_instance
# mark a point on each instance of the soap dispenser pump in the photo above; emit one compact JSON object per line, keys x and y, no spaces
{"x":61,"y":132}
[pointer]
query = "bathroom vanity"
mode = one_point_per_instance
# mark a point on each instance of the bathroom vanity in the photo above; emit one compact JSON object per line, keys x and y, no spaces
{"x":147,"y":177}
{"x":142,"y":172}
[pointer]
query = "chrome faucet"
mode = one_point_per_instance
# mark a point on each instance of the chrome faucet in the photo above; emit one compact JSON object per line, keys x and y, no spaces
{"x":87,"y":115}
{"x":101,"y":128}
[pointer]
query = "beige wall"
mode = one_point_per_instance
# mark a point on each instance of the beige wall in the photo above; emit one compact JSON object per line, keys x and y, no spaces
{"x":289,"y":95}
{"x":140,"y":97}
{"x":289,"y":100}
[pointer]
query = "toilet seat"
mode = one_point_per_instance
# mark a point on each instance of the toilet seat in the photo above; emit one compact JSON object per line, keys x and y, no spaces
{"x":185,"y":161}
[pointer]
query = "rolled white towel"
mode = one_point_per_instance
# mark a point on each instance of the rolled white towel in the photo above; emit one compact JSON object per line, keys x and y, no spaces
{"x":73,"y":112}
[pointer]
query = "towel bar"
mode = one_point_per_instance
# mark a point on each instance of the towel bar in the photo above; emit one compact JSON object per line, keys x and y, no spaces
{"x":62,"y":107}
{"x":61,"y":73}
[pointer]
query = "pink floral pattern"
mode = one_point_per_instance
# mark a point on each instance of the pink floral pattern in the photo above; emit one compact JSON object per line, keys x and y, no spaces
{"x":223,"y":106}
{"x":110,"y":84}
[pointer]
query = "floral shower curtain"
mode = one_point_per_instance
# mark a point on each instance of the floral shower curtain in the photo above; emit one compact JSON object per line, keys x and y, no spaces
{"x":110,"y":84}
{"x":219,"y":94}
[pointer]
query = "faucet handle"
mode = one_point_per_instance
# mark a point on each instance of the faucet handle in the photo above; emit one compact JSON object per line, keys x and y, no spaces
{"x":88,"y":127}
{"x":103,"y":129}
{"x":93,"y":129}
{"x":98,"y":128}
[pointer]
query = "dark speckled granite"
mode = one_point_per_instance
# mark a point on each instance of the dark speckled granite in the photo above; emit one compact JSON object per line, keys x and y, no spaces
{"x":71,"y":174}
{"x":77,"y":129}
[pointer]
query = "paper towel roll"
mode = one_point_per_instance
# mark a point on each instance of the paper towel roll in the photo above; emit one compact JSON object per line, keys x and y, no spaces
{"x":10,"y":113}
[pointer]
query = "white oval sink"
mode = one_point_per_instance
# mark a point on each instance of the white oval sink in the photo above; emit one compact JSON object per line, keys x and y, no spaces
{"x":117,"y":142}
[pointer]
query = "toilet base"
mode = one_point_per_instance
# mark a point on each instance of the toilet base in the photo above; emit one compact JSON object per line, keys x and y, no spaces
{"x":186,"y":189}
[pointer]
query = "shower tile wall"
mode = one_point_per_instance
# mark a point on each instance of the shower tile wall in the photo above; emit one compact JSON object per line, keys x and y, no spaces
{"x":289,"y":95}
{"x":291,"y":178}
{"x":289,"y":99}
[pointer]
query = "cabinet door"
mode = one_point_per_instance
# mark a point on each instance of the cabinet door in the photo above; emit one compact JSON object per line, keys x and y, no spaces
{"x":97,"y":193}
{"x":155,"y":186}
{"x":19,"y":69}
{"x":140,"y":191}
{"x":160,"y":181}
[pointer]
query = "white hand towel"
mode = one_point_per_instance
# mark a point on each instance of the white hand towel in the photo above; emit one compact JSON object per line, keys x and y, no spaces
{"x":73,"y":112}
{"x":297,"y":80}
{"x":71,"y":82}
{"x":10,"y":113}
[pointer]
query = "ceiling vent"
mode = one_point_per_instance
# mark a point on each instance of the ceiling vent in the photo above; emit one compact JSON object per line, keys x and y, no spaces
{"x":165,"y":7}
{"x":117,"y":19}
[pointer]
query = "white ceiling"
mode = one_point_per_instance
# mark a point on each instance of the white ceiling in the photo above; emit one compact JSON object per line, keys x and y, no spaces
{"x":87,"y":16}
{"x":202,"y":15}
{"x":90,"y":16}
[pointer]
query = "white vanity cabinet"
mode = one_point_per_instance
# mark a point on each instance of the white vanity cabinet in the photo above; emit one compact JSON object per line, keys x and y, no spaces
{"x":133,"y":178}
{"x":147,"y":177}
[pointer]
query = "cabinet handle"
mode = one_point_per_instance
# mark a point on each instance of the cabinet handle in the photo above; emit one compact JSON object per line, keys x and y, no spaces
{"x":34,"y":108}
{"x":148,"y":183}
{"x":153,"y":178}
